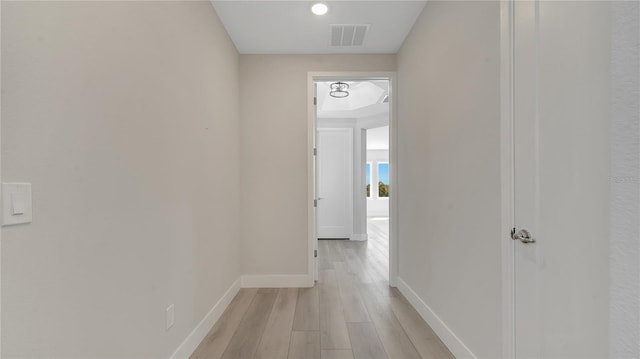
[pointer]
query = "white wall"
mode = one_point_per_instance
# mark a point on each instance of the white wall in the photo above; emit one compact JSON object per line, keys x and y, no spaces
{"x":124,"y":116}
{"x":449,"y":168}
{"x":625,"y":181}
{"x":274,"y":155}
{"x":378,"y":138}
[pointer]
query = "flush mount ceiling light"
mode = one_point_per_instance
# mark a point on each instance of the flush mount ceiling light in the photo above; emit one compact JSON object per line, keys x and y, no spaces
{"x":339,"y":90}
{"x":319,"y":8}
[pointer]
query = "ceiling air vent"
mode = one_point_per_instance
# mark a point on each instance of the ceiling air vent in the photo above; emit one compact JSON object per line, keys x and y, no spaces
{"x":348,"y":35}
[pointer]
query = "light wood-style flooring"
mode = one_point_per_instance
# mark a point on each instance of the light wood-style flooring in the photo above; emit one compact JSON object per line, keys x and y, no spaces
{"x":350,"y":313}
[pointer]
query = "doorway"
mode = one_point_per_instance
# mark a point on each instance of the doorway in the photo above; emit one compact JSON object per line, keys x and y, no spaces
{"x":349,"y":198}
{"x":378,"y":184}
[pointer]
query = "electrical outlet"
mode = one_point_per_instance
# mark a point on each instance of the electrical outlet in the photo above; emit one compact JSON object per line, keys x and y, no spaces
{"x":170,"y":316}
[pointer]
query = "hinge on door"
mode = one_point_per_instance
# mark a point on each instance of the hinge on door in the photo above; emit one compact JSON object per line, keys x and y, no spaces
{"x":315,"y":253}
{"x":315,"y":203}
{"x":315,"y":101}
{"x":315,"y":151}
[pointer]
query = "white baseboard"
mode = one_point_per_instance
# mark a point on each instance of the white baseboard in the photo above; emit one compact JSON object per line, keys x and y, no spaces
{"x":359,"y":237}
{"x":194,"y":339}
{"x":448,"y":337}
{"x":277,"y":281}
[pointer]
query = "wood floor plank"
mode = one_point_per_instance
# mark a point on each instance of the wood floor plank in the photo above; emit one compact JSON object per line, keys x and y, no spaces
{"x":396,"y":293}
{"x":354,"y":309}
{"x":324,"y":255}
{"x":392,"y":335}
{"x":275,"y":340}
{"x":245,"y":341}
{"x":268,"y":290}
{"x":335,"y":253}
{"x":336,"y":354}
{"x":355,"y":265}
{"x":424,"y":339}
{"x":304,"y":345}
{"x":351,"y":313}
{"x":307,"y":315}
{"x":216,"y":341}
{"x":435,"y":349}
{"x":333,"y":328}
{"x":365,"y":341}
{"x":378,"y":247}
{"x":382,"y":288}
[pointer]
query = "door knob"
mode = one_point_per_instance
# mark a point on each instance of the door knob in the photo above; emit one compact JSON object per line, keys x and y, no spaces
{"x":523,"y":236}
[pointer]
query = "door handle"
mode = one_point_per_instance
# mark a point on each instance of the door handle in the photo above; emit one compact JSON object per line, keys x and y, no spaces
{"x":523,"y":236}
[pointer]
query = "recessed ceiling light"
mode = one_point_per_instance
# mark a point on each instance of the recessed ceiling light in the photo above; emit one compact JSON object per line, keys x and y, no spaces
{"x":319,"y":8}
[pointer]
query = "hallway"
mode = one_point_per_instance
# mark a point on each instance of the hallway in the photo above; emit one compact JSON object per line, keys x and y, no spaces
{"x":350,"y":313}
{"x":159,"y":173}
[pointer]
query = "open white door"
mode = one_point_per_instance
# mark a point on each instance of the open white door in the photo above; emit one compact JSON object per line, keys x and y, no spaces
{"x":561,"y":167}
{"x":335,"y":182}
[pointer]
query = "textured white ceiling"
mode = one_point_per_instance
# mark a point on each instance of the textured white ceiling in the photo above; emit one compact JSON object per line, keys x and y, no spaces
{"x":364,"y":100}
{"x":289,"y":27}
{"x":361,"y":94}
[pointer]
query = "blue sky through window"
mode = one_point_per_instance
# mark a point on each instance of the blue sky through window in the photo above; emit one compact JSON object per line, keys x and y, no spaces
{"x":383,"y":173}
{"x":367,"y":170}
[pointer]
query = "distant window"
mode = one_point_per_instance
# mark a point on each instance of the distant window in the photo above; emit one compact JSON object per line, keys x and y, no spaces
{"x":367,"y":171}
{"x":383,"y":179}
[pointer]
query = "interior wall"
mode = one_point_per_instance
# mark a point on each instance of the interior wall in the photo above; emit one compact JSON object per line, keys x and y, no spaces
{"x":274,"y":154}
{"x":449,"y":168}
{"x":124,"y":117}
{"x":625,"y":182}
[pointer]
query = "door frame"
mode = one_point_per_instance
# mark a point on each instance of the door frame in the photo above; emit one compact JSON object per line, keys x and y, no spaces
{"x":313,"y":77}
{"x":507,"y":167}
{"x":0,"y":186}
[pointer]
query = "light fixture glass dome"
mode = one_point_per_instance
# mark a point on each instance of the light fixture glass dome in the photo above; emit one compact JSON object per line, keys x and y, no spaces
{"x":339,"y":89}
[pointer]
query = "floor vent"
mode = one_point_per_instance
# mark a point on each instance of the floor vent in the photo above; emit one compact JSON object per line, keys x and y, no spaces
{"x":348,"y":35}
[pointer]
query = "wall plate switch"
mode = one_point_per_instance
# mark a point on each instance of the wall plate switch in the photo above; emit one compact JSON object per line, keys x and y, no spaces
{"x":16,"y":203}
{"x":170,"y":317}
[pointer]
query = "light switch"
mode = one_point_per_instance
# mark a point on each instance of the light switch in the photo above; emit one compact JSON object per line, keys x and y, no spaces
{"x":16,"y":203}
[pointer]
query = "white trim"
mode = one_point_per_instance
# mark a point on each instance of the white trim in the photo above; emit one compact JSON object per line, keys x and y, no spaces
{"x":507,"y":176}
{"x":277,"y":281}
{"x":201,"y":330}
{"x":448,"y":337}
{"x":311,"y":211}
{"x":359,"y":237}
{"x":0,"y":194}
{"x":393,"y":159}
{"x":394,"y":258}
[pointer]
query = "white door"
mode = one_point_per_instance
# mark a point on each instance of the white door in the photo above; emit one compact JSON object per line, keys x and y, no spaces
{"x":561,"y":167}
{"x":335,"y":182}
